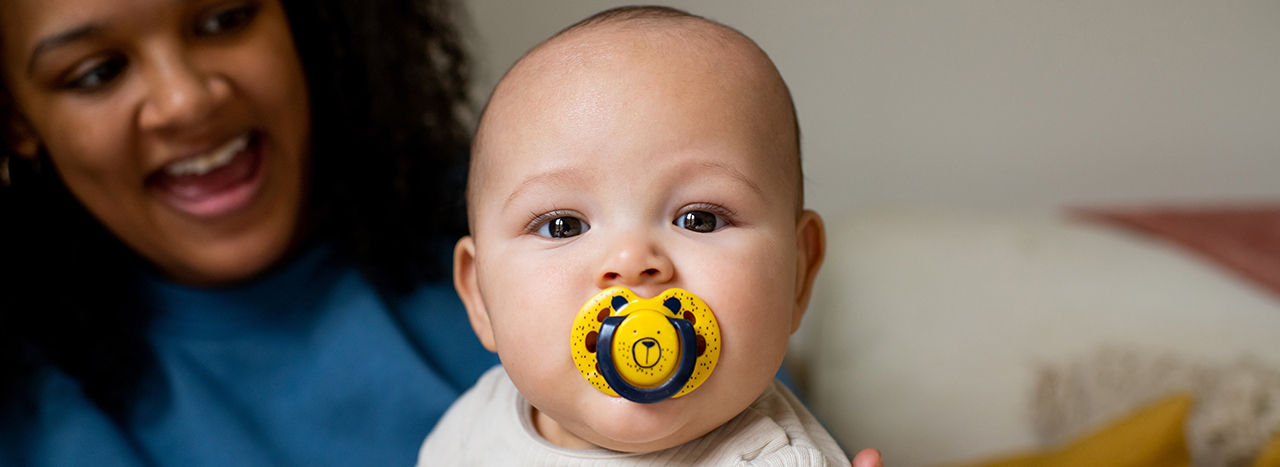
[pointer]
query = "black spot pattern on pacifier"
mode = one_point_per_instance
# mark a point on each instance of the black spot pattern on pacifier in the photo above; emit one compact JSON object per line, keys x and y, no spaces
{"x":672,"y":304}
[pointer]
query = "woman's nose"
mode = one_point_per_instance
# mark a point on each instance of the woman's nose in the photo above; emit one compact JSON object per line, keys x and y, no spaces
{"x":633,"y":261}
{"x":181,"y":94}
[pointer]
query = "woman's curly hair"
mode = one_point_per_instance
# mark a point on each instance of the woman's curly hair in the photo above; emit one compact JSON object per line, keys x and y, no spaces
{"x":390,"y":109}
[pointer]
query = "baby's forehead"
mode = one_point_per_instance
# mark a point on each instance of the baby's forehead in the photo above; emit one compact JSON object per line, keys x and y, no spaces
{"x":684,"y":51}
{"x":598,"y":44}
{"x":686,"y":55}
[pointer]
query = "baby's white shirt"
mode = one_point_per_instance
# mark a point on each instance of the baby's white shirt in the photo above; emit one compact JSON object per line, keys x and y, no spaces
{"x":491,"y":424}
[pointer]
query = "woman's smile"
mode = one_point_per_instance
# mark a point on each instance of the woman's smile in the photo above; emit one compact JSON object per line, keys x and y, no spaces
{"x":213,"y":183}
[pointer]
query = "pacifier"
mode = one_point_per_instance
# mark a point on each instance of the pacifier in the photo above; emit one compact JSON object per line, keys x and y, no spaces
{"x":645,"y":349}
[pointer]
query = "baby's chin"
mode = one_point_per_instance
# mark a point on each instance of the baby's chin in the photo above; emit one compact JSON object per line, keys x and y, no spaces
{"x":630,"y":427}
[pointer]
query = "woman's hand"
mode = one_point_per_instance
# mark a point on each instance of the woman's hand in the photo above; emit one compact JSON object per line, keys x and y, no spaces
{"x":868,"y":458}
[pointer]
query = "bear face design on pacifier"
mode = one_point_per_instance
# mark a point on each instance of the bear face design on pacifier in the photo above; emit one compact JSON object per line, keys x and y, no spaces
{"x":645,"y":350}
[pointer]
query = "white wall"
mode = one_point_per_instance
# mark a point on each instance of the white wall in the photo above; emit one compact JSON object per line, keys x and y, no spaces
{"x":1012,"y":104}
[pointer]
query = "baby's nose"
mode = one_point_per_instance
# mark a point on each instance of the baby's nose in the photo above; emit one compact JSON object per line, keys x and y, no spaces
{"x":635,"y":261}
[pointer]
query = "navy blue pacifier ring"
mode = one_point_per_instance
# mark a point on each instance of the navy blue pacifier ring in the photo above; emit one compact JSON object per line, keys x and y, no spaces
{"x":668,"y":388}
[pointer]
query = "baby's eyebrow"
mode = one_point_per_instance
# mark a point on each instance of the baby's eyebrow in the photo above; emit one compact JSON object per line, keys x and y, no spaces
{"x":735,"y":174}
{"x":566,"y":176}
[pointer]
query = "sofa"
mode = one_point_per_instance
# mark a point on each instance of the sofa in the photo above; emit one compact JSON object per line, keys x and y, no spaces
{"x":951,"y":338}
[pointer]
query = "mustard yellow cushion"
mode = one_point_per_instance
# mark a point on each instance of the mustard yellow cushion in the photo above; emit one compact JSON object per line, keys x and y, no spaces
{"x":1148,"y":437}
{"x":1270,"y":454}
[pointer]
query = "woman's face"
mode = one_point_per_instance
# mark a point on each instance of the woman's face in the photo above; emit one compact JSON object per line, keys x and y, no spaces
{"x":182,"y":125}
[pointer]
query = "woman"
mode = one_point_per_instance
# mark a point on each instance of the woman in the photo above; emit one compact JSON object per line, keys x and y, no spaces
{"x":221,"y":233}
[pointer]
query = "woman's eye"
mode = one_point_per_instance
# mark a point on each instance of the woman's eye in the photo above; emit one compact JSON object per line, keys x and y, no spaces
{"x":226,"y":20}
{"x":563,"y":227}
{"x":98,"y":75}
{"x":699,"y":221}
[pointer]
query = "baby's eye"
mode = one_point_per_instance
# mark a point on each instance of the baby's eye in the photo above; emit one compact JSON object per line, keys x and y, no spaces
{"x":699,"y":221}
{"x":563,"y":227}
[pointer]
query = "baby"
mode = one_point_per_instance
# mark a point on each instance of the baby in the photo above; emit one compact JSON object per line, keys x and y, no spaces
{"x":649,"y":149}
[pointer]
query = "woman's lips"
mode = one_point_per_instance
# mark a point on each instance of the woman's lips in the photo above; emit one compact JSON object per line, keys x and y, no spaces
{"x":213,"y":184}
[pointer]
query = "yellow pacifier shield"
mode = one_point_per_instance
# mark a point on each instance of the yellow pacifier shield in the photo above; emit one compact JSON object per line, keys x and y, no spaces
{"x":645,"y":359}
{"x":654,"y":343}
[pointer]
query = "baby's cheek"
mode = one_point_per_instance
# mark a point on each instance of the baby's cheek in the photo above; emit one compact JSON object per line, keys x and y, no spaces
{"x":756,"y":329}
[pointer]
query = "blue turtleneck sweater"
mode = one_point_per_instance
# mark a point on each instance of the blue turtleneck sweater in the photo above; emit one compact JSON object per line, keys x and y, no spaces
{"x":308,"y":365}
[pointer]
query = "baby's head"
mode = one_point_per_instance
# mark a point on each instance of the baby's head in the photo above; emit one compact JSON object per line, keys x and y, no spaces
{"x":650,"y":149}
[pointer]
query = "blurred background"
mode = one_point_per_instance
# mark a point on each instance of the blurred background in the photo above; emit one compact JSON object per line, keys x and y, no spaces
{"x":943,"y":142}
{"x":1010,"y":104}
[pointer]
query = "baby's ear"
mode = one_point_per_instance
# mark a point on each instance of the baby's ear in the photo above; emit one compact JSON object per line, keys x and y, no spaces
{"x":811,"y":248}
{"x":465,"y":282}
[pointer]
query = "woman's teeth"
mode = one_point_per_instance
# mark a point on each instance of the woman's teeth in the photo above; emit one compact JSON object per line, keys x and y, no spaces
{"x":205,"y":163}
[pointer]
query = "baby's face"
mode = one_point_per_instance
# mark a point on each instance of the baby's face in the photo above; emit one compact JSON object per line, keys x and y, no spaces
{"x":643,"y":167}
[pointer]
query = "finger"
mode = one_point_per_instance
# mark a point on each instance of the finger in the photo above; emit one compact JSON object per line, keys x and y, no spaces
{"x":868,"y":458}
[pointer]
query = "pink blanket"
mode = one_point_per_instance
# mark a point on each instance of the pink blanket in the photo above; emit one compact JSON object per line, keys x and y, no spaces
{"x":1244,"y":238}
